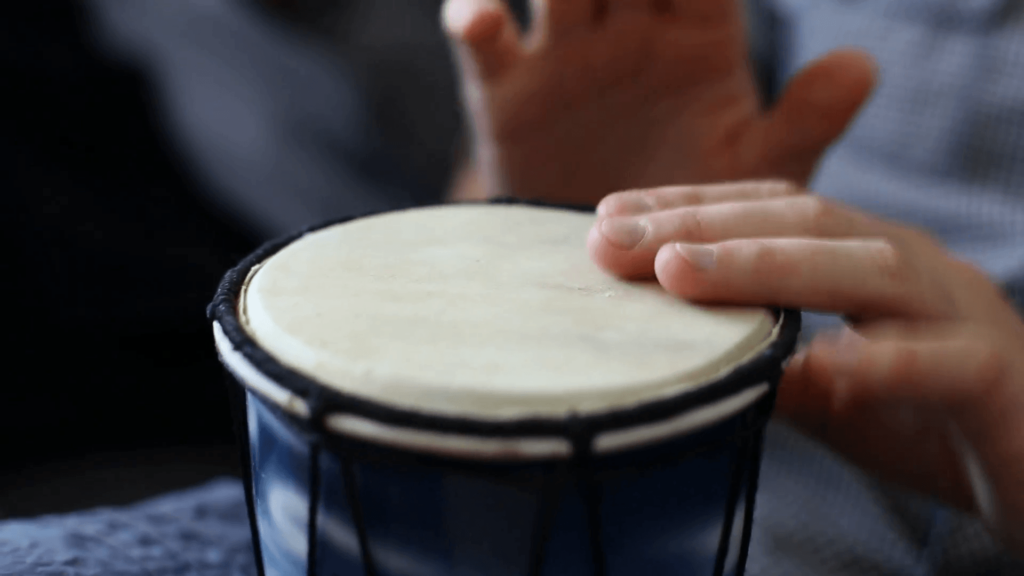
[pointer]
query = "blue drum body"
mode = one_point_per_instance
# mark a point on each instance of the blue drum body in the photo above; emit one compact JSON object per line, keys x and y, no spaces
{"x":323,"y":503}
{"x":676,"y":509}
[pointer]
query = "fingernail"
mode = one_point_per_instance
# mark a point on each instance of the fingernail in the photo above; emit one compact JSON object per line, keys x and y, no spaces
{"x":624,"y":233}
{"x":625,"y":205}
{"x":700,"y":257}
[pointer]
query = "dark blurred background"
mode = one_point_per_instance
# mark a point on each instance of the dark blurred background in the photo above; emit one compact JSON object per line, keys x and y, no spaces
{"x":145,"y":147}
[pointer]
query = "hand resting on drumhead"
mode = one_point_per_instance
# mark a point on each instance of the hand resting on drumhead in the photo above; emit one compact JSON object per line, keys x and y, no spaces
{"x":925,"y":387}
{"x":601,"y":95}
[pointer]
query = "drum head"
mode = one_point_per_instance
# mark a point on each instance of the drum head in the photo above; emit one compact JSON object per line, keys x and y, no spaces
{"x":491,"y":312}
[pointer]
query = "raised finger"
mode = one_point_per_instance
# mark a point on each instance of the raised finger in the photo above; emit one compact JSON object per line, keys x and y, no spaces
{"x":635,"y":202}
{"x":817,"y":105}
{"x":627,"y":245}
{"x":866,"y":278}
{"x":486,"y":36}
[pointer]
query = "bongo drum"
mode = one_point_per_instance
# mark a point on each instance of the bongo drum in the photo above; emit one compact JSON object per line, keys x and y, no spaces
{"x":459,"y":390}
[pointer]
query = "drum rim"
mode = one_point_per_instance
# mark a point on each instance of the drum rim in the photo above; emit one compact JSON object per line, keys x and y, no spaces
{"x":318,"y":400}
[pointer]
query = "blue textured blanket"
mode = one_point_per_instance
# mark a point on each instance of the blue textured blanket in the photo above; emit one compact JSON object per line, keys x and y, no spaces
{"x":815,"y":516}
{"x":203,"y":531}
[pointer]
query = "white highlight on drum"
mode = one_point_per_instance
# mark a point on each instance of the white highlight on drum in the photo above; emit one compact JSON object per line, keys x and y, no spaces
{"x":481,"y":448}
{"x":446,"y":444}
{"x":678,"y":425}
{"x":387,"y":556}
{"x":248,"y":375}
{"x":284,"y":519}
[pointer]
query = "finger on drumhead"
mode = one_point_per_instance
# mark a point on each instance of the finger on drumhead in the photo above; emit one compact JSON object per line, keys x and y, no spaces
{"x":627,"y":245}
{"x":786,"y":217}
{"x":942,"y":367}
{"x":551,"y":20}
{"x":634,"y":202}
{"x":485,"y":33}
{"x":860,"y":277}
{"x":635,"y":264}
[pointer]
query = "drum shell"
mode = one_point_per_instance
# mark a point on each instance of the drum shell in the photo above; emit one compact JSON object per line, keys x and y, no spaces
{"x":663,"y":509}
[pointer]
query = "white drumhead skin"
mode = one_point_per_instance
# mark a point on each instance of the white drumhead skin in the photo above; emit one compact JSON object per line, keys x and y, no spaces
{"x":484,"y":311}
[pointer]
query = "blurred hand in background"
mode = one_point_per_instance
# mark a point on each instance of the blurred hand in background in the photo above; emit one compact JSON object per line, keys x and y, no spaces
{"x":600,"y":96}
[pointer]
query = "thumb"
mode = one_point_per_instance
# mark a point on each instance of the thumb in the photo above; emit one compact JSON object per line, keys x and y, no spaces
{"x":815,"y":108}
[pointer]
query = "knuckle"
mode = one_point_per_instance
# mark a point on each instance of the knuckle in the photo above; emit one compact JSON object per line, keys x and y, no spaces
{"x":676,"y":196}
{"x":990,"y":365}
{"x":889,"y":263}
{"x":778,"y":187}
{"x":934,"y":281}
{"x":691,"y":225}
{"x":764,"y":260}
{"x":652,"y":197}
{"x":905,"y":364}
{"x":972,"y":273}
{"x":819,"y":215}
{"x":898,"y":278}
{"x":921,"y":237}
